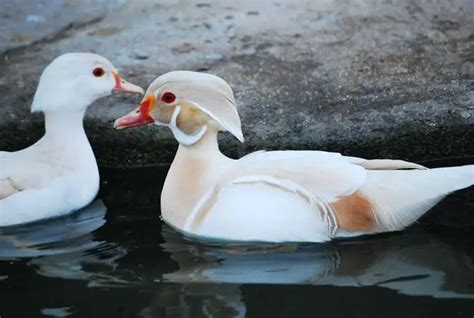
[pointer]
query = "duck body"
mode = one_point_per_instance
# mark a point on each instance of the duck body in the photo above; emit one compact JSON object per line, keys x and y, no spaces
{"x":298,"y":196}
{"x":58,"y":174}
{"x":236,"y":210}
{"x":276,"y":196}
{"x":55,"y":176}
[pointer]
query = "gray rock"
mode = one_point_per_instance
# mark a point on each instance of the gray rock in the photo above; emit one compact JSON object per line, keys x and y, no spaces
{"x":25,"y":22}
{"x":371,"y":79}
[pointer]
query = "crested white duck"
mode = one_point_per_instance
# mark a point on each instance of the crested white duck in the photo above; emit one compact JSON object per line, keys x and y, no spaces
{"x":277,"y":196}
{"x":58,"y":174}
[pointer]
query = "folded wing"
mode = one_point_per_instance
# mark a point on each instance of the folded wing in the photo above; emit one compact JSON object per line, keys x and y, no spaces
{"x":319,"y":180}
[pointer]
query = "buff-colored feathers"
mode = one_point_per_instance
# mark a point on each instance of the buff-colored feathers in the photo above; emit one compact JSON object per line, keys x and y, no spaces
{"x":278,"y":196}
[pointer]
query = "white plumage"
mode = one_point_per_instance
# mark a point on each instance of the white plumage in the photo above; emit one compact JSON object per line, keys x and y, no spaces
{"x":58,"y":174}
{"x":281,"y":195}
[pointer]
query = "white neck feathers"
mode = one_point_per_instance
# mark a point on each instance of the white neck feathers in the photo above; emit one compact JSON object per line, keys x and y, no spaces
{"x":62,"y":124}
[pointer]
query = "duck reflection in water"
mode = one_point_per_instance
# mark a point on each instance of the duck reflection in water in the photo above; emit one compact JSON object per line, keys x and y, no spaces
{"x":413,"y":263}
{"x":62,"y":247}
{"x":191,"y":276}
{"x":416,"y":262}
{"x":211,"y":278}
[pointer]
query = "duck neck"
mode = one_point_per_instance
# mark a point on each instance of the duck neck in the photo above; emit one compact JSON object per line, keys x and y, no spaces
{"x":64,"y":125}
{"x":65,"y":137}
{"x":192,"y":173}
{"x":207,"y":147}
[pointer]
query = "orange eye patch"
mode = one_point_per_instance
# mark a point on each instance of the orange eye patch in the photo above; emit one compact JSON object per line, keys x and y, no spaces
{"x":147,"y":105}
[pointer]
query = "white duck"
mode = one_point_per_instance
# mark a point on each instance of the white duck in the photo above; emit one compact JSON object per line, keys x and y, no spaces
{"x":276,"y":196}
{"x":58,"y":174}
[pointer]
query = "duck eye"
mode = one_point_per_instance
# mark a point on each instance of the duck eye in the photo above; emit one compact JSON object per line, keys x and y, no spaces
{"x":98,"y":72}
{"x":168,"y":98}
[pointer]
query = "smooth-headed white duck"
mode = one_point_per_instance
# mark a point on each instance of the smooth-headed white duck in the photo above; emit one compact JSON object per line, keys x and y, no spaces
{"x":276,"y":196}
{"x":58,"y":174}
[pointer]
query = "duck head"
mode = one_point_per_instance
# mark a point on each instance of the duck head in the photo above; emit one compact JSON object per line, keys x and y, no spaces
{"x":73,"y":81}
{"x":189,"y":103}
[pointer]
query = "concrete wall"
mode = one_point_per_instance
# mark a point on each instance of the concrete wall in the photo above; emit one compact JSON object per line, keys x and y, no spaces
{"x":392,"y":79}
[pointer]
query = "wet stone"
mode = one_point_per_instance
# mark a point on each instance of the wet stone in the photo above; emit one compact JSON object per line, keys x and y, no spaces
{"x":373,"y":80}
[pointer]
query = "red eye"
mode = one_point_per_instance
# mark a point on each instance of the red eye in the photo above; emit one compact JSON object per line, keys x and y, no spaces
{"x":168,"y":98}
{"x":98,"y":72}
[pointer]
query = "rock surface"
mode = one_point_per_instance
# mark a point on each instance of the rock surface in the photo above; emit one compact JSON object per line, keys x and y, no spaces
{"x":367,"y":78}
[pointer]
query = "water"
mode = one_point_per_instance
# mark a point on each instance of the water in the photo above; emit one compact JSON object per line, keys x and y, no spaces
{"x":117,"y":259}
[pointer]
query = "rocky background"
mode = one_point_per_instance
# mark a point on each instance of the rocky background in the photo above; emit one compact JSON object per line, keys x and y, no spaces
{"x":386,"y":79}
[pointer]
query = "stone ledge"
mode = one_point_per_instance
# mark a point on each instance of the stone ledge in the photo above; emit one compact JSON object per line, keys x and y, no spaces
{"x":378,"y":81}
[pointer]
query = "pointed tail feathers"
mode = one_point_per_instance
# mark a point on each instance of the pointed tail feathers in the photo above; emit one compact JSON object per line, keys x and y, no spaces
{"x":401,"y":197}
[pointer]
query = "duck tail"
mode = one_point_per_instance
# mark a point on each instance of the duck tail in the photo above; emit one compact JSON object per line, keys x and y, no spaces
{"x":400,"y":197}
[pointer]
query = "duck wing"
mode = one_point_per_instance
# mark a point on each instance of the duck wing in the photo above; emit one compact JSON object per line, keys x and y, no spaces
{"x":319,"y":180}
{"x":18,"y":173}
{"x":369,"y":164}
{"x":354,"y":196}
{"x":31,"y":204}
{"x":384,"y":164}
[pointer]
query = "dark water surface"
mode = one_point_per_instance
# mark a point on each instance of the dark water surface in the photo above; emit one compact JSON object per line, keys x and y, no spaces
{"x":117,"y":259}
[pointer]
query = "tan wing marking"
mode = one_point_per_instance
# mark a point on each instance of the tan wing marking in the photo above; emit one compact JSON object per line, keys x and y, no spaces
{"x":388,"y":164}
{"x":354,"y":213}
